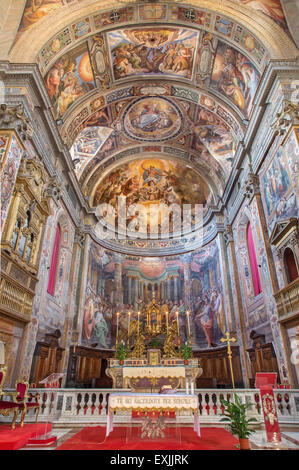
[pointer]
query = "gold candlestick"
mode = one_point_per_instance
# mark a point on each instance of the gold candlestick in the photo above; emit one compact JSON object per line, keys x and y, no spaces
{"x":229,"y":340}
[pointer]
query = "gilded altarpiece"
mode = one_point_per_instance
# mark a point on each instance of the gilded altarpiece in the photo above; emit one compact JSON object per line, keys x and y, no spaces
{"x":26,"y":213}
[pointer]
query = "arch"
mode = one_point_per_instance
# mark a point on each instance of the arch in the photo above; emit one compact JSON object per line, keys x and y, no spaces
{"x":257,"y":287}
{"x":274,"y":38}
{"x":290,"y":265}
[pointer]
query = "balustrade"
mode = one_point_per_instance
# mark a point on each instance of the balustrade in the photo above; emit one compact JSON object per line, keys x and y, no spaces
{"x":82,"y":406}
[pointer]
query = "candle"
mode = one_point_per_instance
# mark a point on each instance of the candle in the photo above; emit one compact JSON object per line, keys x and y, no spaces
{"x":192,"y":388}
{"x":129,"y":319}
{"x":166,"y":315}
{"x":187,"y":387}
{"x":177,"y":319}
{"x":117,"y":319}
{"x":138,"y":316}
{"x":188,"y":324}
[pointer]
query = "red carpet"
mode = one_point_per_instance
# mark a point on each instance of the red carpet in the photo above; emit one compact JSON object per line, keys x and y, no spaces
{"x":12,"y":439}
{"x":91,"y":438}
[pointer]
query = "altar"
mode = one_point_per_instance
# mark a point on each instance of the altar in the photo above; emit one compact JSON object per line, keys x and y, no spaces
{"x":141,"y":375}
{"x":142,"y":368}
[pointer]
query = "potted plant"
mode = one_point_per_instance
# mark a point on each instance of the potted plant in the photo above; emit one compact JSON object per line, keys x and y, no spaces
{"x":154,"y":344}
{"x":186,"y":352}
{"x":121,"y":352}
{"x":235,"y":415}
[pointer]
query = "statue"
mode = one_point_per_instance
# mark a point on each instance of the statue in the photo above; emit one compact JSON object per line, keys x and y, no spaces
{"x":169,"y":345}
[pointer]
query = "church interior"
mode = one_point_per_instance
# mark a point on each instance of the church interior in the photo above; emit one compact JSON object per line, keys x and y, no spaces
{"x":121,"y":281}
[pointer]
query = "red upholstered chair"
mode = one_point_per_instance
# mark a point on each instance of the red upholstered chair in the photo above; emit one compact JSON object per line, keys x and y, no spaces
{"x":18,"y":403}
{"x":3,"y":370}
{"x":32,"y":402}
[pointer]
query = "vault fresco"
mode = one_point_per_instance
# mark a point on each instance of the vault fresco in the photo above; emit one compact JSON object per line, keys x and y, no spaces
{"x":152,"y":119}
{"x":160,"y":51}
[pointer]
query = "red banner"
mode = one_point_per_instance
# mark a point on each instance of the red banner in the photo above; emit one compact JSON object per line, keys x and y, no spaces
{"x":265,"y":382}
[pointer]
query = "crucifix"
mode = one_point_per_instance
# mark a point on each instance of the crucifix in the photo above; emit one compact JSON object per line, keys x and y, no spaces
{"x":229,"y":340}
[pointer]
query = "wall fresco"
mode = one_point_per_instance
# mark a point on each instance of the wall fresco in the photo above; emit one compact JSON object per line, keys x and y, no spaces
{"x":127,"y":283}
{"x":278,"y":195}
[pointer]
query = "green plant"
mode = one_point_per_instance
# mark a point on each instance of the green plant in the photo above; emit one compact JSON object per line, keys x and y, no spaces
{"x":121,"y":352}
{"x":186,"y":351}
{"x":154,"y":343}
{"x":235,"y":415}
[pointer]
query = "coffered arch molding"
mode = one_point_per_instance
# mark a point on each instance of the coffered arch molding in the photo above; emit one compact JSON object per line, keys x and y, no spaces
{"x":278,"y":44}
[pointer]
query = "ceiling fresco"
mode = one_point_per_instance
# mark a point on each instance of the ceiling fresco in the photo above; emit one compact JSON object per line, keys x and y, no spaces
{"x":152,"y":119}
{"x":148,"y":80}
{"x":154,"y":51}
{"x":69,"y":79}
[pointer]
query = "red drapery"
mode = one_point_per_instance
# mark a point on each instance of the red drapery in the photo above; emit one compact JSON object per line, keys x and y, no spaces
{"x":254,"y":268}
{"x":52,"y":275}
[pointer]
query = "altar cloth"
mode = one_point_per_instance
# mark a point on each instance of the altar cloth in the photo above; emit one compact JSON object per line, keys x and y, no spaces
{"x":152,"y":401}
{"x":157,"y":372}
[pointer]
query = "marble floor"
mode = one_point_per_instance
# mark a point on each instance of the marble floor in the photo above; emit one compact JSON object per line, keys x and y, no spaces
{"x":290,"y":439}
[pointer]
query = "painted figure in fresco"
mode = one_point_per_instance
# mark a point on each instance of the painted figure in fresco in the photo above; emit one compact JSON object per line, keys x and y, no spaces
{"x":151,"y":176}
{"x":153,"y":52}
{"x":35,"y":10}
{"x":235,"y":76}
{"x":100,"y":328}
{"x":88,"y":320}
{"x":275,"y":183}
{"x":270,"y":8}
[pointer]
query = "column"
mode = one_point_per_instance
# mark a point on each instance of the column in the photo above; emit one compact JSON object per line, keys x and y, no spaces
{"x":237,"y":298}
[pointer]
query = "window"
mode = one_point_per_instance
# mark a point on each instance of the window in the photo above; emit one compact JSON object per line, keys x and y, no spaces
{"x":290,"y":265}
{"x":54,"y":263}
{"x":253,"y":264}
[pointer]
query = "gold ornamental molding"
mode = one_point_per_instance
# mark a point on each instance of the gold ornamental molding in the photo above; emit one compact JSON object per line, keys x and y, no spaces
{"x":274,"y":39}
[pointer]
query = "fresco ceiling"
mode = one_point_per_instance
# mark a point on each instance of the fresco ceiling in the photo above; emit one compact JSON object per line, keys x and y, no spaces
{"x":183,"y":86}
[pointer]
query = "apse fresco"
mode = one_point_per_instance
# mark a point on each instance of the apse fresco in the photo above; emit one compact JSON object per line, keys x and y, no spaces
{"x":235,"y":76}
{"x":161,"y":51}
{"x":121,"y":283}
{"x":277,"y":190}
{"x":70,"y":78}
{"x":151,"y":182}
{"x":214,"y":134}
{"x":152,"y":119}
